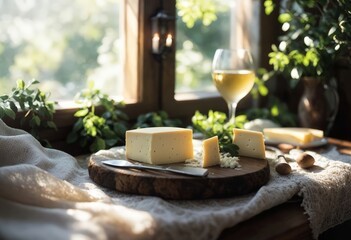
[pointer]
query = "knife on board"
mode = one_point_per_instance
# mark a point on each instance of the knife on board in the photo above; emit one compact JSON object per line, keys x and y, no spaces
{"x":192,"y":171}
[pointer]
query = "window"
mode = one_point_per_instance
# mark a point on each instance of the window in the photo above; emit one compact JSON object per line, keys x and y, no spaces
{"x":232,"y":24}
{"x":62,"y":44}
{"x":112,"y":46}
{"x":223,"y":24}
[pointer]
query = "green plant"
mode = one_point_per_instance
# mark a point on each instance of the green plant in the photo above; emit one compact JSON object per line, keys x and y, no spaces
{"x":77,"y":44}
{"x":275,"y":111}
{"x":156,"y":119}
{"x":215,"y":124}
{"x":316,"y":36}
{"x":38,"y":110}
{"x":192,"y":11}
{"x":260,"y":88}
{"x":98,"y":131}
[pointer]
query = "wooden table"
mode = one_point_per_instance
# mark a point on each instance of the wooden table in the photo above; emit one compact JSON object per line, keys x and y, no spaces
{"x":284,"y":222}
{"x":287,"y":221}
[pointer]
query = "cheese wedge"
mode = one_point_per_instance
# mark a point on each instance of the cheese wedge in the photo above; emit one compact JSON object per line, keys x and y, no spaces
{"x":159,"y":145}
{"x":250,"y":143}
{"x":210,"y":153}
{"x":295,"y":136}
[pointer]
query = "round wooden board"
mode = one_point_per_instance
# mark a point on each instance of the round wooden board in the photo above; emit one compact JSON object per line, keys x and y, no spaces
{"x":220,"y":182}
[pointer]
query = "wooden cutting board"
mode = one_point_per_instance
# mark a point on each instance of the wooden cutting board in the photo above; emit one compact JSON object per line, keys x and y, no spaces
{"x":220,"y":182}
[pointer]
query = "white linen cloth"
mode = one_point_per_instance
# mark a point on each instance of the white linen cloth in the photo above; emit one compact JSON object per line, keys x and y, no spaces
{"x":46,"y":194}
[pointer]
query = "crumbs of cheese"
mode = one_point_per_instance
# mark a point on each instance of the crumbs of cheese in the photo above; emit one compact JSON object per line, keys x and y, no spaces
{"x":226,"y":161}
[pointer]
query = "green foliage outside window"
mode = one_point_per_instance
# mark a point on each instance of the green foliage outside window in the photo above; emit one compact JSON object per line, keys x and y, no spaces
{"x":192,"y":11}
{"x":62,"y":43}
{"x":202,"y":26}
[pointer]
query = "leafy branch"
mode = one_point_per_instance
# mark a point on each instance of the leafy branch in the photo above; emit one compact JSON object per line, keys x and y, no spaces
{"x":98,"y":131}
{"x":314,"y":38}
{"x":215,"y":124}
{"x":39,"y":111}
{"x":192,"y":11}
{"x":276,"y":111}
{"x":156,"y":119}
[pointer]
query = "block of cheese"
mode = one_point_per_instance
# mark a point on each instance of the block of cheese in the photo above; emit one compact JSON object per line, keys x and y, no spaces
{"x":295,"y":136}
{"x":210,"y":153}
{"x":250,"y":143}
{"x":317,"y":134}
{"x":159,"y":145}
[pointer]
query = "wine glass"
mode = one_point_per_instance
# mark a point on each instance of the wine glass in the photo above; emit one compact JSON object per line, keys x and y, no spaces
{"x":233,"y":75}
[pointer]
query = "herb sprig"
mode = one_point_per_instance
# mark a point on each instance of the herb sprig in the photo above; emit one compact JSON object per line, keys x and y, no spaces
{"x":216,"y":124}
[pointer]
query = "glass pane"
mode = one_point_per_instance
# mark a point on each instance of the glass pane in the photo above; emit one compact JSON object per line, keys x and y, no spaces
{"x":205,"y":25}
{"x":63,"y":44}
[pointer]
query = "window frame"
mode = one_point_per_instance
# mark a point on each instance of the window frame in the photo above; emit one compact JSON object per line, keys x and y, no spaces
{"x":155,"y":89}
{"x":156,"y":85}
{"x":184,"y":108}
{"x":155,"y":81}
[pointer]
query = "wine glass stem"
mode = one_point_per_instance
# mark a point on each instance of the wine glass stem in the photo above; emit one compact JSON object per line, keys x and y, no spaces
{"x":232,"y":109}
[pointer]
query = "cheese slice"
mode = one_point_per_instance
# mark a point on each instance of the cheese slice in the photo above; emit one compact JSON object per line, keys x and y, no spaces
{"x":159,"y":145}
{"x":250,"y":143}
{"x":296,"y":136}
{"x":210,"y":153}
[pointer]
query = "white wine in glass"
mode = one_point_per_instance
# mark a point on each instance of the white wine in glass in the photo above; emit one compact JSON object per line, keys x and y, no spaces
{"x":233,"y":75}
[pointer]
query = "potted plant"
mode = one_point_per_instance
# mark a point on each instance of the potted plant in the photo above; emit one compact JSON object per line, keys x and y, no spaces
{"x":315,"y":40}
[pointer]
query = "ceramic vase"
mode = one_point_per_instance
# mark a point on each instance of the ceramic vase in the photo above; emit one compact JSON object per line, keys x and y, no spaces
{"x":318,"y":105}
